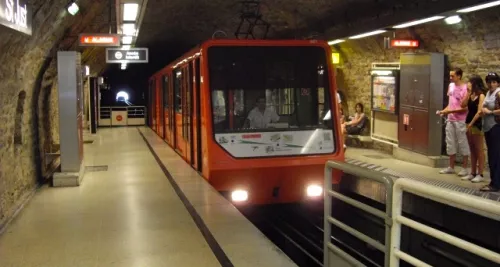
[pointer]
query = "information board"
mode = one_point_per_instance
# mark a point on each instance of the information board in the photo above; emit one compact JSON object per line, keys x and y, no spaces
{"x":131,"y":55}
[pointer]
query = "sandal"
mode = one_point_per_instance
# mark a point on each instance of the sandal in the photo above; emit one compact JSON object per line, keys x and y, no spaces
{"x":489,"y":188}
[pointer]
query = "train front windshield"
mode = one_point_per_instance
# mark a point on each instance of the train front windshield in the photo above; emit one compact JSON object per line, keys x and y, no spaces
{"x":271,"y":101}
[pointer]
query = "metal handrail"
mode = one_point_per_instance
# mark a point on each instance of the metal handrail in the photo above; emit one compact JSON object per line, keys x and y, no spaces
{"x":477,"y":205}
{"x":328,"y":219}
{"x":135,"y":111}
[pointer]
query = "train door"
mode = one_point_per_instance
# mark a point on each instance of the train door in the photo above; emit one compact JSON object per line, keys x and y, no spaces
{"x":161,"y":117}
{"x":165,"y":105}
{"x":153,"y":105}
{"x":196,"y":118}
{"x":186,"y":119}
{"x":150,"y":104}
{"x":178,"y":108}
{"x":171,"y":111}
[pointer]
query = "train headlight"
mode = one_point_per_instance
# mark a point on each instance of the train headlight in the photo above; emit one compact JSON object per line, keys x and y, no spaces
{"x":239,"y":195}
{"x":314,"y":190}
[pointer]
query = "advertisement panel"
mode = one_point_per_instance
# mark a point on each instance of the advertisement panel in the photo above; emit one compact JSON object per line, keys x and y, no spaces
{"x":272,"y":144}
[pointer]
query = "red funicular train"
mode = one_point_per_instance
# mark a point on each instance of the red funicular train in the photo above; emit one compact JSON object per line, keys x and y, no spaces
{"x":256,"y":118}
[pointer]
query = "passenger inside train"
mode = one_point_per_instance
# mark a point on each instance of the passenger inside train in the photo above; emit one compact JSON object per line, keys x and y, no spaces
{"x":261,"y":116}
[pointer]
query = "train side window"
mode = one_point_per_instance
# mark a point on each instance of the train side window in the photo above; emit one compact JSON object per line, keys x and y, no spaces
{"x":189,"y":108}
{"x":186,"y":87}
{"x":165,"y":91}
{"x":178,"y":91}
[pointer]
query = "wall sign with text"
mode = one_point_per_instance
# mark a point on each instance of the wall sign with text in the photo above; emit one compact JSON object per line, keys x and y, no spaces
{"x":405,"y":43}
{"x":99,"y":39}
{"x":131,"y":55}
{"x":16,"y":14}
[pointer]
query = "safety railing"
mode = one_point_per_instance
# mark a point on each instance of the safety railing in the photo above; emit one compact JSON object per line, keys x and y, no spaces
{"x":328,"y":219}
{"x":477,"y":205}
{"x":122,"y":116}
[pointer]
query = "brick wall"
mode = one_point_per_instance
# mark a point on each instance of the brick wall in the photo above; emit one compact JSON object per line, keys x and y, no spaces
{"x":29,"y":122}
{"x":473,"y":45}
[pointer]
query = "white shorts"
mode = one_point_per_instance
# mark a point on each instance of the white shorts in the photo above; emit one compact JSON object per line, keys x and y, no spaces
{"x":456,"y":138}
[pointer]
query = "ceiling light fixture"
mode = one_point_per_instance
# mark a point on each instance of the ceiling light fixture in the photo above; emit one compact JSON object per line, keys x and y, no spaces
{"x":130,"y":12}
{"x":453,"y":20}
{"x":127,"y":40}
{"x":73,"y":8}
{"x":421,"y":21}
{"x":359,"y":36}
{"x":479,"y":7}
{"x":128,"y":28}
{"x":338,"y":41}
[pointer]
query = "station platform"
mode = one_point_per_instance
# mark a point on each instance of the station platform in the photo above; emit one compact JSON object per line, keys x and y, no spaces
{"x":139,"y":205}
{"x":386,"y":163}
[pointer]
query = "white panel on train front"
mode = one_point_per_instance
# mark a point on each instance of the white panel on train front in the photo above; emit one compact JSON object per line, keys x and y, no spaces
{"x":119,"y":118}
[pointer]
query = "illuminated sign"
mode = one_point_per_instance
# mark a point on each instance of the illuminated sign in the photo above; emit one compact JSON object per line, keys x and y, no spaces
{"x":123,"y":55}
{"x":16,"y":15}
{"x":97,"y":39}
{"x":335,"y":58}
{"x":405,"y":43}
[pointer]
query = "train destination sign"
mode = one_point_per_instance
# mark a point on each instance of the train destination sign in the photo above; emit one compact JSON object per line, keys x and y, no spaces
{"x":131,"y":55}
{"x":405,"y":43}
{"x":16,"y":15}
{"x":99,"y":39}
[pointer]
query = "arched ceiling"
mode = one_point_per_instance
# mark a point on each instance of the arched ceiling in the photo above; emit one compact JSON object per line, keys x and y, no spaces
{"x":171,"y":27}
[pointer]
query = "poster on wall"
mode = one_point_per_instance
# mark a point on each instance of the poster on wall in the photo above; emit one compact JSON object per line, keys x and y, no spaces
{"x":384,"y":93}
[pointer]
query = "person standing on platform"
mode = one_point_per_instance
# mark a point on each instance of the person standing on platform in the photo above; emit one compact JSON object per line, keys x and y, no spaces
{"x":474,"y":128}
{"x":456,"y":128}
{"x":491,"y":129}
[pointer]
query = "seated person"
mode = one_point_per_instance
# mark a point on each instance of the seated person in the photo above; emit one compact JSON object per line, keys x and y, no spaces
{"x":356,"y":125}
{"x":261,"y":116}
{"x":342,"y":120}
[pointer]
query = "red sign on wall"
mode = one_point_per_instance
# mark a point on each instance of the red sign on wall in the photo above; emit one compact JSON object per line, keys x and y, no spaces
{"x":119,"y":118}
{"x":405,"y":43}
{"x":99,"y":39}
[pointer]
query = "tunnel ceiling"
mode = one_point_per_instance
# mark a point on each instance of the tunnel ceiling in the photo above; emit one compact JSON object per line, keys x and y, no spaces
{"x":171,"y":27}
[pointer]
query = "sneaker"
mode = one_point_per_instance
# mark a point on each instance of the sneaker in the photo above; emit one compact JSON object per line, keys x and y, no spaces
{"x":463,"y":172}
{"x":448,"y":170}
{"x":479,"y":178}
{"x":468,"y":177}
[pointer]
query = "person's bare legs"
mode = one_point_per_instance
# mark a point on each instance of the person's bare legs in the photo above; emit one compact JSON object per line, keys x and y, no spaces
{"x":478,"y":151}
{"x":452,"y":161}
{"x":473,"y":155}
{"x":479,"y":146}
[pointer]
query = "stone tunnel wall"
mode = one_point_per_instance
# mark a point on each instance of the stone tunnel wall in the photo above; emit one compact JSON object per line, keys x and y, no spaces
{"x":29,"y":123}
{"x":473,"y":45}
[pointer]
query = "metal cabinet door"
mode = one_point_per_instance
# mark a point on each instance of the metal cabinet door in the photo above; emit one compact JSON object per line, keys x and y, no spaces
{"x":421,"y":86}
{"x":420,"y":127}
{"x":406,"y":85}
{"x":405,"y":133}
